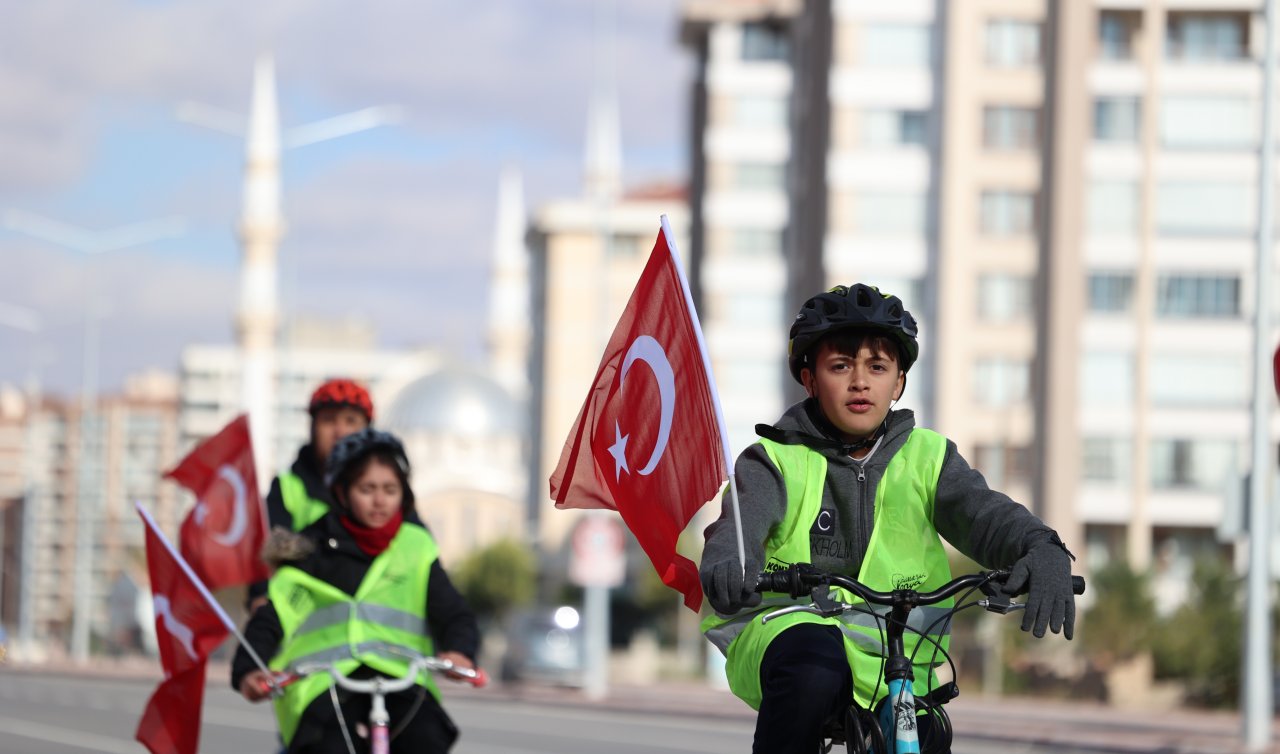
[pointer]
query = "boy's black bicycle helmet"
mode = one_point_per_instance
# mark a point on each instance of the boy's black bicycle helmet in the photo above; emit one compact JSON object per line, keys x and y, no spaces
{"x":858,"y":306}
{"x":356,"y":446}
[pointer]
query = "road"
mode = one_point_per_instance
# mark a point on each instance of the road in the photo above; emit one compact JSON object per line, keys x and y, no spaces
{"x":60,"y":714}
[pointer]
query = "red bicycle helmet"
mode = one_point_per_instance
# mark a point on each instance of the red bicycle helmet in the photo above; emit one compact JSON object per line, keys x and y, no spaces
{"x":342,"y":392}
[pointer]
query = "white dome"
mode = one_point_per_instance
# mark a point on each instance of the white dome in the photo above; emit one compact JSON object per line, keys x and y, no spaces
{"x":455,"y":400}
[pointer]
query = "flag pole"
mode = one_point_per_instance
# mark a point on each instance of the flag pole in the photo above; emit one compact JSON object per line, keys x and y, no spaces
{"x":711,"y":385}
{"x":204,"y":592}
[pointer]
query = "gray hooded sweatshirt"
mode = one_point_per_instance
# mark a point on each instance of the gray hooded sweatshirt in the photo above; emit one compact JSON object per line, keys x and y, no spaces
{"x":981,"y":523}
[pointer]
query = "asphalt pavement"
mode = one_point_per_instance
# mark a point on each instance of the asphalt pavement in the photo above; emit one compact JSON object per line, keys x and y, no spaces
{"x":1004,"y":723}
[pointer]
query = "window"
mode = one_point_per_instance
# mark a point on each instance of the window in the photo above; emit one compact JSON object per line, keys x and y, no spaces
{"x":1002,"y":298}
{"x":1197,"y":37}
{"x":897,"y":45}
{"x":756,"y":242}
{"x":1002,"y":464}
{"x":1005,"y":213}
{"x":750,"y":309}
{"x":1000,"y":381}
{"x":1105,"y":459}
{"x":1113,"y":208}
{"x":1007,"y":127}
{"x":1106,"y":377}
{"x":1194,"y":464}
{"x":1012,"y":43}
{"x":765,"y":41}
{"x":892,"y":213}
{"x":1188,"y":296}
{"x":1116,"y":30}
{"x":1110,"y":292}
{"x":887,"y":128}
{"x":1207,"y":122}
{"x":756,"y":176}
{"x":1204,"y":208}
{"x":1213,"y":379}
{"x":754,"y":111}
{"x":1115,"y":119}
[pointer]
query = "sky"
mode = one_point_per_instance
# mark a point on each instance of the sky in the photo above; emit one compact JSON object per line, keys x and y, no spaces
{"x":392,"y":226}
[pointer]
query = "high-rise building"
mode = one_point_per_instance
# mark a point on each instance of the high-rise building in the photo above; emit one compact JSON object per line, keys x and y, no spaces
{"x":132,"y":441}
{"x":1064,"y":193}
{"x":1147,"y":315}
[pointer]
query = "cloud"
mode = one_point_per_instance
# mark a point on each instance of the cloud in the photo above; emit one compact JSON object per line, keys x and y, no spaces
{"x":395,"y":224}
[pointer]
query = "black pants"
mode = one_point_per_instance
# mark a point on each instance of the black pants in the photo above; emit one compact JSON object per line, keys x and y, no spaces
{"x":804,"y":680}
{"x":428,"y":729}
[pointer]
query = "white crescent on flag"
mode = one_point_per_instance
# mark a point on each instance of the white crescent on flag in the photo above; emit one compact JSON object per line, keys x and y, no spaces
{"x":176,"y":628}
{"x":240,"y":514}
{"x":645,"y":348}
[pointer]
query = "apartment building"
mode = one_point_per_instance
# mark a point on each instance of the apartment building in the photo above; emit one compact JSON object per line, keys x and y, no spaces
{"x":1160,"y":114}
{"x":1064,"y":193}
{"x":80,"y":475}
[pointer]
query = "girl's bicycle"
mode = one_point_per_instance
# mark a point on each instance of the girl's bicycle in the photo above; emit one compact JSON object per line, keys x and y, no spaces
{"x":378,"y":687}
{"x":892,"y":727}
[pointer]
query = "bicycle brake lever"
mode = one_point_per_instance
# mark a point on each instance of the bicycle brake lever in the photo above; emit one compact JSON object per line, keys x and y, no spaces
{"x":826,"y":607}
{"x":789,"y":610}
{"x":1002,"y":605}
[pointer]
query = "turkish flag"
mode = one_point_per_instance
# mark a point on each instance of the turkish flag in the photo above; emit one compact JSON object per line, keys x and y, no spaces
{"x":222,"y":536}
{"x":648,"y":442}
{"x":189,"y":627}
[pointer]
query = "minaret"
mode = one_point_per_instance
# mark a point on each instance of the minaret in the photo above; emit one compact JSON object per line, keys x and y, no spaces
{"x":261,"y":228}
{"x":603,"y":158}
{"x":509,"y":310}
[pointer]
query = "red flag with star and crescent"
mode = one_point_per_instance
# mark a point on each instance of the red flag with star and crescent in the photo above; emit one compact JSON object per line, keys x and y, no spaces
{"x":223,"y":535}
{"x":189,"y":627}
{"x":648,"y":441}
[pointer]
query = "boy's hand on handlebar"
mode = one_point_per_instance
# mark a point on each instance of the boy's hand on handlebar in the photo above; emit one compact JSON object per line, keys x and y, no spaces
{"x":1044,"y":573}
{"x":255,"y":686}
{"x":725,"y":588}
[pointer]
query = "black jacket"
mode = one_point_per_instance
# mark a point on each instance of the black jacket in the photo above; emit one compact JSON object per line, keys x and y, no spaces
{"x":337,"y":560}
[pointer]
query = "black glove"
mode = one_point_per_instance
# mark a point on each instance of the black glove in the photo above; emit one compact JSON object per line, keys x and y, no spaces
{"x":1045,"y":573}
{"x":724,"y":587}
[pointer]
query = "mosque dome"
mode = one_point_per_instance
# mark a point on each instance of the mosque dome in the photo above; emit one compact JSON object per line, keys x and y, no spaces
{"x":455,"y":400}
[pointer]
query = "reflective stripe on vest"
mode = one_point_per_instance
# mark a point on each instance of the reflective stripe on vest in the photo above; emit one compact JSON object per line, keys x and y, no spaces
{"x":304,"y":509}
{"x":904,"y":552}
{"x":321,"y":623}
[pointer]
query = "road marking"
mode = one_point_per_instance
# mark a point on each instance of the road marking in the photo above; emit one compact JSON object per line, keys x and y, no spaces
{"x":90,"y":741}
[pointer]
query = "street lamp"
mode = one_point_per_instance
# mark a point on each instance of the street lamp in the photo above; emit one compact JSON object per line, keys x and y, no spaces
{"x":91,"y":244}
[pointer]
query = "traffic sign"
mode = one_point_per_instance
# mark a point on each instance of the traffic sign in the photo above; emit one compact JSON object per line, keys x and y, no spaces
{"x":598,"y":552}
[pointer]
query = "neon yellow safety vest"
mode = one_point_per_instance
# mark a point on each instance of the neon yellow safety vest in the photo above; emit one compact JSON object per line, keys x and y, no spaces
{"x":304,"y":509}
{"x":905,"y":551}
{"x":325,"y":624}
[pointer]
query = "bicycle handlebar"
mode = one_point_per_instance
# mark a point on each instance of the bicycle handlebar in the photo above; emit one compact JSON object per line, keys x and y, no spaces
{"x":474,"y":676}
{"x":802,"y":578}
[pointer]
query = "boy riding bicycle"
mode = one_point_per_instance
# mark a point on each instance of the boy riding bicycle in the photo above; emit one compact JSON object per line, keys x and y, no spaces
{"x":844,"y":482}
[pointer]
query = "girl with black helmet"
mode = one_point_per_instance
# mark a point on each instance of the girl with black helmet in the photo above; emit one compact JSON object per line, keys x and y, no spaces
{"x":846,"y":482}
{"x":363,"y":571}
{"x":298,"y":497}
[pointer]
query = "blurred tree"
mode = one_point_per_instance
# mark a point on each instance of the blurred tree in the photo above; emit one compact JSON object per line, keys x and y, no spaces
{"x":497,"y":578}
{"x":1200,"y":642}
{"x":1122,"y":622}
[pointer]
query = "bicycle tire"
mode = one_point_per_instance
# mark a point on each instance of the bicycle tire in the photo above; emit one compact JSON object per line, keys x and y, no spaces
{"x":862,"y":734}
